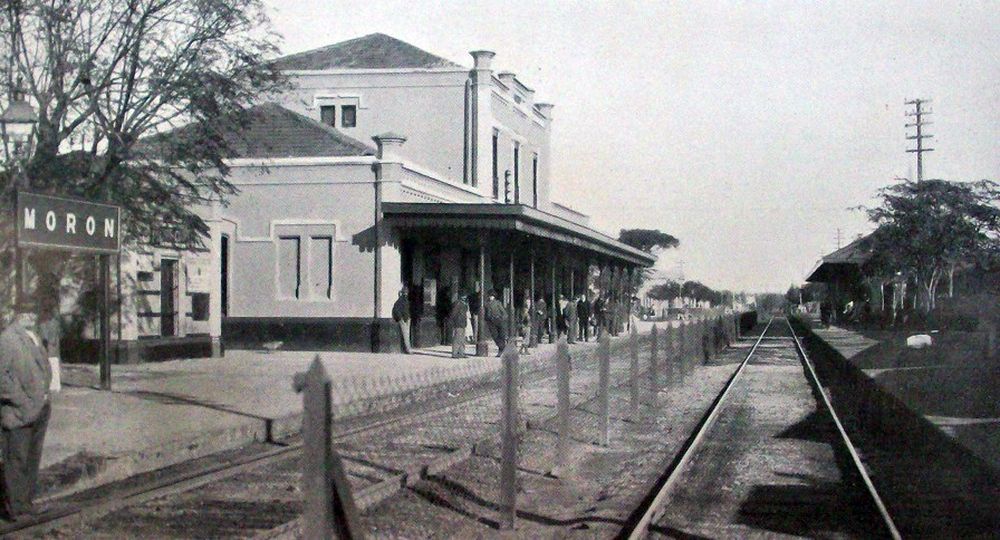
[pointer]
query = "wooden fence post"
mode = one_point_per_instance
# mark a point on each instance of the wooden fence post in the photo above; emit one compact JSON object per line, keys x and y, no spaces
{"x":708,"y":340}
{"x":508,"y":450}
{"x":562,"y":395}
{"x":603,"y":380}
{"x":685,"y":348}
{"x":634,"y":372}
{"x":329,"y":510}
{"x":654,"y":362}
{"x":668,"y":351}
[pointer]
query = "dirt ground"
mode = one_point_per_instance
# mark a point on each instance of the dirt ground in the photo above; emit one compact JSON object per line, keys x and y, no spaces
{"x":594,"y":494}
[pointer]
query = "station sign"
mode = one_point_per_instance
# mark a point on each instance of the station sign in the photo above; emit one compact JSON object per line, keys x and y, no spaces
{"x":66,"y":223}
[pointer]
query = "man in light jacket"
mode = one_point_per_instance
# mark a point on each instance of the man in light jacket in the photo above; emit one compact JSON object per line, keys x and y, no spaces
{"x":25,"y":375}
{"x":458,"y":318}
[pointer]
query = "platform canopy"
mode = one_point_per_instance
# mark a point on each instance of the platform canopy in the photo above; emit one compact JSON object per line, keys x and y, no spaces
{"x":512,"y":217}
{"x":846,"y":262}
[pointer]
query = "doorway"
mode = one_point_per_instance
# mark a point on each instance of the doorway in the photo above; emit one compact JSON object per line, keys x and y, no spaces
{"x":168,"y":288}
{"x":224,"y":267}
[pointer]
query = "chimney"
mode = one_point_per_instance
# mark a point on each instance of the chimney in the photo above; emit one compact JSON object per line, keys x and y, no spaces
{"x":545,"y":109}
{"x":507,"y":78}
{"x":482,"y":60}
{"x":479,"y":121}
{"x":388,"y":146}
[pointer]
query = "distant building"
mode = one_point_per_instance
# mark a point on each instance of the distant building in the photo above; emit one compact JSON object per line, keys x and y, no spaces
{"x":844,"y":273}
{"x":384,"y":166}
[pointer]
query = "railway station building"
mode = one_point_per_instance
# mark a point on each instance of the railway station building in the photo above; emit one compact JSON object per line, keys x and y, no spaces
{"x":383,"y":168}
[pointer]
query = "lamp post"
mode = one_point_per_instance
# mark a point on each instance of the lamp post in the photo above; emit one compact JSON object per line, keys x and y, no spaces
{"x":17,"y":125}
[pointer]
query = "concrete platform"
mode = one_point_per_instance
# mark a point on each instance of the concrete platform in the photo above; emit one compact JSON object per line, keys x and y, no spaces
{"x":949,"y":384}
{"x":159,"y":414}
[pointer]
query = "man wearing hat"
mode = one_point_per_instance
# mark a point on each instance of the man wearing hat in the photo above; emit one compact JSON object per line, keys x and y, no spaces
{"x":25,"y":375}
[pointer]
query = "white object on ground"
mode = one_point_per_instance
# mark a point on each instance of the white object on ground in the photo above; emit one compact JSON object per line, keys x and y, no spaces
{"x":919,"y":341}
{"x":56,"y":384}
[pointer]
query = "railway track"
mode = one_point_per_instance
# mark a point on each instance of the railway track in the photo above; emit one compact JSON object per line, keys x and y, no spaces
{"x":706,"y":467}
{"x":278,"y":463}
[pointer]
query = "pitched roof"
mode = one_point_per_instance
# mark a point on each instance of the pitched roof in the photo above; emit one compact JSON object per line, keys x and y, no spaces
{"x":853,"y":253}
{"x":272,"y":131}
{"x":374,"y":51}
{"x":843,"y":262}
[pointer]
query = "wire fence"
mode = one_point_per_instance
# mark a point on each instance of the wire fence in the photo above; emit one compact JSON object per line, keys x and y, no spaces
{"x":376,"y":435}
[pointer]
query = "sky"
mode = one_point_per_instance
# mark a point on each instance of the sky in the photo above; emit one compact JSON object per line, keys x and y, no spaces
{"x":748,"y":130}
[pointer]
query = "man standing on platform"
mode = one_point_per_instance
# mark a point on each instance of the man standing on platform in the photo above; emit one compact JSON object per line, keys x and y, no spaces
{"x":583,"y":316}
{"x":496,"y":321}
{"x":538,"y":319}
{"x":25,"y":376}
{"x":600,"y":315}
{"x":459,"y":318}
{"x":401,"y":314}
{"x":569,"y":313}
{"x":474,"y":299}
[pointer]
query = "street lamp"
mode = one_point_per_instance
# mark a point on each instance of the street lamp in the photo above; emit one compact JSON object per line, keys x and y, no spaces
{"x":17,"y":123}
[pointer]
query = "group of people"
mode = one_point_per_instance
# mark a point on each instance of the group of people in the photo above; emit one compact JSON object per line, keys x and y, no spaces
{"x":578,"y":319}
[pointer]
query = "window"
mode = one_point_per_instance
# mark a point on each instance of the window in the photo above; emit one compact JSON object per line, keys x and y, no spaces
{"x":199,"y":306}
{"x":321,"y":268}
{"x":348,"y":116}
{"x":328,"y":115}
{"x":534,"y":180}
{"x":517,"y":173}
{"x":496,"y":170}
{"x":289,"y":267}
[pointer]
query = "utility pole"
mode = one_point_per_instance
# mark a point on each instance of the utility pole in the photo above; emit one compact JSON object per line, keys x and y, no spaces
{"x":918,"y":113}
{"x":839,"y":237}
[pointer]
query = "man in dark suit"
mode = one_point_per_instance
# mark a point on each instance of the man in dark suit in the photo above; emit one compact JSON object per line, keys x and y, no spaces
{"x":443,"y":313}
{"x":496,"y":321}
{"x":583,"y":313}
{"x":538,"y":320}
{"x":401,"y":314}
{"x":600,"y":315}
{"x":25,"y":375}
{"x":569,"y":315}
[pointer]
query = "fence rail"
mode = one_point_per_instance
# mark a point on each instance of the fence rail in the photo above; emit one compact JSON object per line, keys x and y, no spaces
{"x":448,"y":399}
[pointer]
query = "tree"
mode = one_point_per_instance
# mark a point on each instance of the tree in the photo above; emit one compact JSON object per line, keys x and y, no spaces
{"x":666,"y":291}
{"x":770,"y":302}
{"x":647,"y":239}
{"x":794,"y":295}
{"x":927,"y":229}
{"x":104,"y":74}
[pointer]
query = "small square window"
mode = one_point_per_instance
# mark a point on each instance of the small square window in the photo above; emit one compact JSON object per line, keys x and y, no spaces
{"x":348,"y":116}
{"x":199,"y":306}
{"x":328,"y":115}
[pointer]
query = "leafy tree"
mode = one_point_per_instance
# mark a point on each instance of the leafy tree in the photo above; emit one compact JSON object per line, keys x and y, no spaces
{"x":647,"y":239}
{"x":793,"y":295}
{"x":667,"y":291}
{"x":927,"y":229}
{"x":770,"y":302}
{"x":702,"y":293}
{"x":104,"y":74}
{"x":813,"y":292}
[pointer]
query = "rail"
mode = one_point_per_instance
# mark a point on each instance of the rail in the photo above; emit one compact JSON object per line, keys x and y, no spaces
{"x":637,"y":527}
{"x":846,"y":439}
